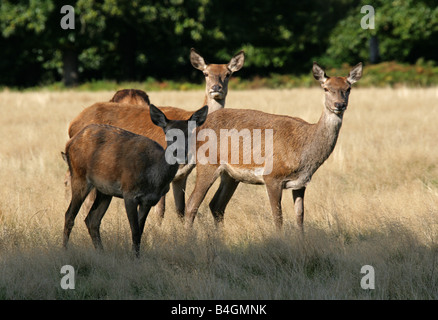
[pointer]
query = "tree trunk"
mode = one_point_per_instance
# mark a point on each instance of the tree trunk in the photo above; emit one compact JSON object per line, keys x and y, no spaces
{"x":128,"y":45}
{"x":70,"y":67}
{"x":374,"y":50}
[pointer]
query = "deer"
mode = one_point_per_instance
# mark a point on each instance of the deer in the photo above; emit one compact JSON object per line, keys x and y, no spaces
{"x":131,"y":96}
{"x":136,"y":118}
{"x":299,"y":149}
{"x":118,"y":163}
{"x":217,"y":77}
{"x":128,"y":96}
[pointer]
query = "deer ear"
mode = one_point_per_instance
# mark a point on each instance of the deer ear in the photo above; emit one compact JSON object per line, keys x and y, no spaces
{"x":200,"y":116}
{"x":319,"y":73}
{"x":64,"y":156}
{"x":158,"y":117}
{"x":355,"y":73}
{"x":236,"y":62}
{"x":197,"y":60}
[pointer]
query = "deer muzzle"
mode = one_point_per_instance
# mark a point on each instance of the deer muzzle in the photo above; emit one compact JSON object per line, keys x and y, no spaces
{"x":339,"y":107}
{"x":216,"y":92}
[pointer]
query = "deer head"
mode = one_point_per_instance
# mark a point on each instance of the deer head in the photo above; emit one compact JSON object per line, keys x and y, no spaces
{"x":337,"y":89}
{"x":216,"y":76}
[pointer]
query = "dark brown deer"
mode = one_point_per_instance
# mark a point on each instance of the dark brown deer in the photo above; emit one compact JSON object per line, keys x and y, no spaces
{"x":298,"y":150}
{"x":128,"y":96}
{"x":137,"y":120}
{"x":119,"y":163}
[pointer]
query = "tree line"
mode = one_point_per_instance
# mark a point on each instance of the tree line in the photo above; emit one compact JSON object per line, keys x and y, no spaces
{"x":133,"y":40}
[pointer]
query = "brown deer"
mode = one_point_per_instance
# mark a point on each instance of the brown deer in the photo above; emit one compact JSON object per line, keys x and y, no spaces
{"x":216,"y":78}
{"x":131,"y":96}
{"x":137,"y":120}
{"x":119,"y":163}
{"x":299,"y":149}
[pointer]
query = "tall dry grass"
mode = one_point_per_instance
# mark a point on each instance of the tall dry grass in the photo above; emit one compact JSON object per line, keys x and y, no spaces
{"x":374,"y":202}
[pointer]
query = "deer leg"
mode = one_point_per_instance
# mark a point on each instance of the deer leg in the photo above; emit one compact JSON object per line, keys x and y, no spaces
{"x":132,"y":212}
{"x":89,"y":200}
{"x":298,"y":196}
{"x":179,"y":192}
{"x":87,"y":204}
{"x":160,"y":207}
{"x":80,"y":189}
{"x":70,"y":216}
{"x":142,"y":215}
{"x":94,"y":217}
{"x":222,"y":197}
{"x":275,"y":192}
{"x":204,"y":179}
{"x":67,"y":184}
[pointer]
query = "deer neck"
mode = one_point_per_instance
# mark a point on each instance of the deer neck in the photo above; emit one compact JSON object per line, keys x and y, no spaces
{"x":213,"y":104}
{"x":322,"y":140}
{"x":167,"y":170}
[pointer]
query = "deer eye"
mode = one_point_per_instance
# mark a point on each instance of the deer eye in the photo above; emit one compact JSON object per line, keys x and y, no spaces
{"x":206,"y":74}
{"x":326,"y":90}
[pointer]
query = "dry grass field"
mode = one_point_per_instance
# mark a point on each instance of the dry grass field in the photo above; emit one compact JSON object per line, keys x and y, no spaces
{"x":373,"y":202}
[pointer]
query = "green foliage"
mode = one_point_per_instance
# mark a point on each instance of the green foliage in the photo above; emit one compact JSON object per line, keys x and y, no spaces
{"x":406,"y":30}
{"x":393,"y":74}
{"x":27,"y":15}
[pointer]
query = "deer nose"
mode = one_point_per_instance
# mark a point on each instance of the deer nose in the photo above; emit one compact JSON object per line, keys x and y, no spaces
{"x":340,"y":105}
{"x":216,"y":88}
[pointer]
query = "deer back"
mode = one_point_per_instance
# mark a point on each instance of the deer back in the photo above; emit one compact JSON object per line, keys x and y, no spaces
{"x":129,"y":117}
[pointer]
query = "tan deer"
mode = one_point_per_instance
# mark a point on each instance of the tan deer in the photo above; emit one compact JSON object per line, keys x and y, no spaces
{"x":299,"y":149}
{"x":119,"y":163}
{"x":136,"y":118}
{"x":216,"y":78}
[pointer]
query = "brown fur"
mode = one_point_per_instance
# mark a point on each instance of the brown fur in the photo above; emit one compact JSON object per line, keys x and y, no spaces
{"x":131,"y":96}
{"x":129,"y":117}
{"x":126,"y":96}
